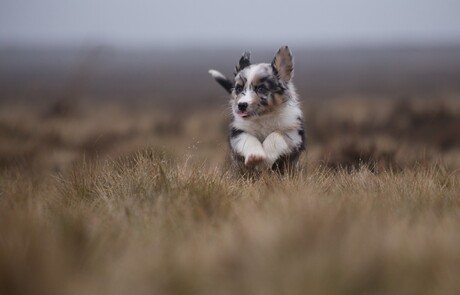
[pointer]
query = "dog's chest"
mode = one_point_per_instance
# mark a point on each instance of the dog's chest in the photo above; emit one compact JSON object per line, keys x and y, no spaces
{"x":261,"y":127}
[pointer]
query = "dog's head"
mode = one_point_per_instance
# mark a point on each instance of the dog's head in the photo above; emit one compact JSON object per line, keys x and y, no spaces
{"x":258,"y":89}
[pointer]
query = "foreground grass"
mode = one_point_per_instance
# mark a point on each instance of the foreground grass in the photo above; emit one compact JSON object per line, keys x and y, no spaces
{"x":146,"y":225}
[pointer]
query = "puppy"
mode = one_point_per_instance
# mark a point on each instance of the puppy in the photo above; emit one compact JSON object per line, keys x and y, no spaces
{"x":266,"y":130}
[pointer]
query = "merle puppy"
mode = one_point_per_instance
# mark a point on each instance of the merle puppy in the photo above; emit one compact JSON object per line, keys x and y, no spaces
{"x":266,"y":130}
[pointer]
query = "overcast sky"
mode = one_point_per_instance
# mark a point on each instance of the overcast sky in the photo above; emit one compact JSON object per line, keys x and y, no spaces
{"x":212,"y":22}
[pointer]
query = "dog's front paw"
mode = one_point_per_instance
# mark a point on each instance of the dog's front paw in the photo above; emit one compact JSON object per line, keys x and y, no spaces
{"x":254,"y":159}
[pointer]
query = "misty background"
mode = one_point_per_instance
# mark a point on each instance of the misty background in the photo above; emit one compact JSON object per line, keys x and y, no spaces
{"x":160,"y":51}
{"x":237,"y":23}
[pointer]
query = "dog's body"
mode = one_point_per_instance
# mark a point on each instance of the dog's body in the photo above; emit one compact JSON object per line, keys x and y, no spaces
{"x":267,"y":125}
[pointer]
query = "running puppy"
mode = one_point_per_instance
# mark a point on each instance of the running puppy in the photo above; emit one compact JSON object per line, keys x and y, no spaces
{"x":267,"y":125}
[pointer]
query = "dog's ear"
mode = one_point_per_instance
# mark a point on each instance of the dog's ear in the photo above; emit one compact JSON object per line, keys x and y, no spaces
{"x":283,"y":65}
{"x":243,"y":63}
{"x":222,"y":80}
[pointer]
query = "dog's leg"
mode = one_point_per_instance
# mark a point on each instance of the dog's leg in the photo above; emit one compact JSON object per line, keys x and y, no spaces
{"x":279,"y":143}
{"x":248,"y":146}
{"x":274,"y":146}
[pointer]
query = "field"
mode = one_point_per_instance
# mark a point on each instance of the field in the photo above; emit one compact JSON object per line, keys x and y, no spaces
{"x":114,"y":177}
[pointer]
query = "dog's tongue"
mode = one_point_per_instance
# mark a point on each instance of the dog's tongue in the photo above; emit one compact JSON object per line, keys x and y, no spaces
{"x":244,"y":114}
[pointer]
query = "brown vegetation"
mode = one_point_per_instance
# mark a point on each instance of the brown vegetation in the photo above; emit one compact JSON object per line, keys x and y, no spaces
{"x":374,"y":209}
{"x":344,"y":133}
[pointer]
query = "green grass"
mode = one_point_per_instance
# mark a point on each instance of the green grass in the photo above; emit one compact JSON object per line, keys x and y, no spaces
{"x":149,"y":224}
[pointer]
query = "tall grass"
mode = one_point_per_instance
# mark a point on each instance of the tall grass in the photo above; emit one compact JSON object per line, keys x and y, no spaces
{"x":148,"y":225}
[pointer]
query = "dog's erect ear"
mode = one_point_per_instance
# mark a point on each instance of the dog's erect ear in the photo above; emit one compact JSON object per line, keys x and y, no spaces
{"x":282,"y":64}
{"x":222,"y":80}
{"x":244,"y":62}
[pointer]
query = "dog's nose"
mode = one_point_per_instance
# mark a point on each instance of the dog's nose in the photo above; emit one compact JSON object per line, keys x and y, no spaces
{"x":242,"y":106}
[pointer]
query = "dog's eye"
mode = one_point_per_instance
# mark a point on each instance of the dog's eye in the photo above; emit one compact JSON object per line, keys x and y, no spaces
{"x":238,"y":89}
{"x":262,"y":90}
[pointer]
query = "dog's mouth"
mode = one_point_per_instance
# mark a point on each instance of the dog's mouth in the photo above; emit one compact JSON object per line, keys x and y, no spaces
{"x":244,"y":114}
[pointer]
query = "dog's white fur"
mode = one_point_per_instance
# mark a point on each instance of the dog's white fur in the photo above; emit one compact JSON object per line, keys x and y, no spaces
{"x":272,"y":125}
{"x":276,"y":133}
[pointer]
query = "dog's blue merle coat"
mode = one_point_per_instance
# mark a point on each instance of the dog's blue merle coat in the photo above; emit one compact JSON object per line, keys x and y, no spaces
{"x":267,"y":127}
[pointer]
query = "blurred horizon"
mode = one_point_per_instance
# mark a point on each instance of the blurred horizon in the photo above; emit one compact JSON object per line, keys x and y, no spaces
{"x":169,"y":78}
{"x":140,"y":50}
